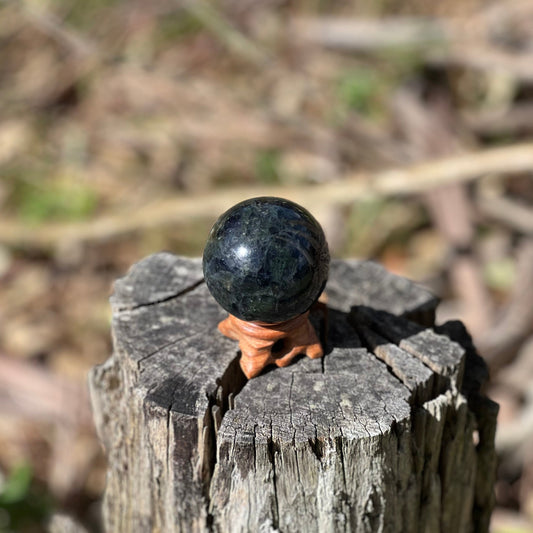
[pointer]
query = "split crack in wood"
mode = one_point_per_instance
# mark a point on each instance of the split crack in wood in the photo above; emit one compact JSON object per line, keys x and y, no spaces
{"x":164,"y":299}
{"x":377,"y":434}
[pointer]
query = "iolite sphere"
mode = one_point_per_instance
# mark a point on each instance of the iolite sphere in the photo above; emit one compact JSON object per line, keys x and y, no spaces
{"x":266,"y":260}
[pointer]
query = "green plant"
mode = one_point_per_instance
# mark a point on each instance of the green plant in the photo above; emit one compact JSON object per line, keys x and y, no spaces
{"x":267,"y":166}
{"x":178,"y":26}
{"x":36,"y":201}
{"x":22,"y":503}
{"x":360,"y":90}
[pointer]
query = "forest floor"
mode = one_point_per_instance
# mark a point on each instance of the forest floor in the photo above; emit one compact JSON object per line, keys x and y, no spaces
{"x":127,"y":127}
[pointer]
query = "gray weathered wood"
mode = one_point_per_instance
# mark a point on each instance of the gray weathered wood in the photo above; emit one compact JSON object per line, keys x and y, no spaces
{"x":379,"y":435}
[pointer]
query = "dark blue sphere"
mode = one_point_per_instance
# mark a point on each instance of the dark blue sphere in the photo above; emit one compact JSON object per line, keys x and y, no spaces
{"x":266,"y":260}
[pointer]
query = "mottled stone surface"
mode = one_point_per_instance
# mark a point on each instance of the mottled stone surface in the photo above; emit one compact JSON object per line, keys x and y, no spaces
{"x":266,"y":259}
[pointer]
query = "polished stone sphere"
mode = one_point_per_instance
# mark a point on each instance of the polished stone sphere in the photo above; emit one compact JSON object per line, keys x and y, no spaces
{"x":266,"y":260}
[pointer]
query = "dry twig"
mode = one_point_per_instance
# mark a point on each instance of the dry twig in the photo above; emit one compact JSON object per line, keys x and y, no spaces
{"x":411,"y":180}
{"x":465,"y":43}
{"x":500,"y":344}
{"x":427,"y":127}
{"x":517,"y":216}
{"x":515,"y":120}
{"x":38,"y":394}
{"x":371,"y":35}
{"x":57,"y":30}
{"x":222,"y":28}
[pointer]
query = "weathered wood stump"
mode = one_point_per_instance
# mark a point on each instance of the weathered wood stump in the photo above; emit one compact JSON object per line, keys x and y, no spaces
{"x":387,"y":432}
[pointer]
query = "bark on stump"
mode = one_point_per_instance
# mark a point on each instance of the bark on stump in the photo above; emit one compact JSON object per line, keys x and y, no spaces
{"x":388,"y":432}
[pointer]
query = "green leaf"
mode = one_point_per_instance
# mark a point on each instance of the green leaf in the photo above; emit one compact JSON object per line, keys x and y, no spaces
{"x":267,"y":166}
{"x":23,"y":504}
{"x":17,"y":485}
{"x":37,"y":202}
{"x":360,"y":90}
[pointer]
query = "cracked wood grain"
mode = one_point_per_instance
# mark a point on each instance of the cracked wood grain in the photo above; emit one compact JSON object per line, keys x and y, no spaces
{"x":376,"y":436}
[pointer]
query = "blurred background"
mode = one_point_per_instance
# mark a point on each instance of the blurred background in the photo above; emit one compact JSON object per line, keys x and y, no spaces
{"x":127,"y":127}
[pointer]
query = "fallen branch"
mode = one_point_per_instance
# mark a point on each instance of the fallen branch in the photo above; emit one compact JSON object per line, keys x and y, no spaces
{"x":486,"y":58}
{"x":427,"y":126}
{"x":466,"y":43}
{"x":55,"y":28}
{"x":515,"y":120}
{"x":370,"y":35}
{"x":29,"y":391}
{"x":220,"y":26}
{"x":518,"y":377}
{"x":509,"y":212}
{"x":356,"y":186}
{"x":500,"y":344}
{"x":515,"y":437}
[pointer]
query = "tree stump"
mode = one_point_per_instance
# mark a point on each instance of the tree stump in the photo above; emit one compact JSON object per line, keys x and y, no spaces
{"x":387,"y":432}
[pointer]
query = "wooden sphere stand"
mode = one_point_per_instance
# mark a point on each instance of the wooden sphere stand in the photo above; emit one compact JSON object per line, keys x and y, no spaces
{"x":258,"y":340}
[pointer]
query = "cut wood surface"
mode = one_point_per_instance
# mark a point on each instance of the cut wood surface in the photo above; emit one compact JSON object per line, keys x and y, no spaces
{"x":387,"y":432}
